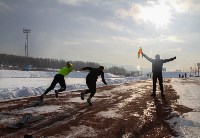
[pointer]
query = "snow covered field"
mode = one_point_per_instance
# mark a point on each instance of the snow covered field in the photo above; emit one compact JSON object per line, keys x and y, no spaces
{"x":16,"y":84}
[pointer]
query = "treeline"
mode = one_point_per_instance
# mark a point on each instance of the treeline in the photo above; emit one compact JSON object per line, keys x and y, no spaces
{"x":18,"y":62}
{"x":40,"y":63}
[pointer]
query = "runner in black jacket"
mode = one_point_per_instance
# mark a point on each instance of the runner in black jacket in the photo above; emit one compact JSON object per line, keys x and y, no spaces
{"x":157,"y":64}
{"x":91,"y":81}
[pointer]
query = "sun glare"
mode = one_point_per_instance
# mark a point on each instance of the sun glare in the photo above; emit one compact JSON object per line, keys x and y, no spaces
{"x":159,"y":15}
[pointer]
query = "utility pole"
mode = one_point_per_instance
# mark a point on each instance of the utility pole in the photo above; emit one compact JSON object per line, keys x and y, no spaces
{"x":26,"y":31}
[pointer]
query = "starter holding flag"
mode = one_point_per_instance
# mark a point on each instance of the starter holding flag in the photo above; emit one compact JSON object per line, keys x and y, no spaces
{"x":139,"y":52}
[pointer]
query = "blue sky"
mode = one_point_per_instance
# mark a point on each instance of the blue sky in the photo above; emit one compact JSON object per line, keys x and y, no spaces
{"x":104,"y":31}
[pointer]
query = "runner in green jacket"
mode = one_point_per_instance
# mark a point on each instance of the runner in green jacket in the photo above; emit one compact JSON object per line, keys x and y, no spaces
{"x":59,"y":78}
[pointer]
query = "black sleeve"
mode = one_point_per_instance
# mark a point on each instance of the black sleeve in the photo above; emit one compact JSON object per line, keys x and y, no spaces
{"x":87,"y":68}
{"x":103,"y":79}
{"x":148,"y":58}
{"x":168,"y":60}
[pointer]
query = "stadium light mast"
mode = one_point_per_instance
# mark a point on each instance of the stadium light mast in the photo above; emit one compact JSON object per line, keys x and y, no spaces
{"x":26,"y":31}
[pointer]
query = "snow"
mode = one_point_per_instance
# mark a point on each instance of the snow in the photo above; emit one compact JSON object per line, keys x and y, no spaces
{"x":25,"y":74}
{"x":174,"y":74}
{"x":128,"y":135}
{"x":76,"y":100}
{"x":40,"y":110}
{"x":111,"y":113}
{"x":44,"y":74}
{"x":19,"y":84}
{"x":82,"y":131}
{"x":189,"y":93}
{"x":134,"y":95}
{"x":188,"y":125}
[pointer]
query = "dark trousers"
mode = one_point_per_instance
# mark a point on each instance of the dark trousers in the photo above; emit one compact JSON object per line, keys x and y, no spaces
{"x":57,"y":79}
{"x":160,"y":79}
{"x":91,"y":83}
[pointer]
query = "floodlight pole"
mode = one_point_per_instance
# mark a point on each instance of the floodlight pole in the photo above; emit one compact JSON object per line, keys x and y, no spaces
{"x":26,"y":31}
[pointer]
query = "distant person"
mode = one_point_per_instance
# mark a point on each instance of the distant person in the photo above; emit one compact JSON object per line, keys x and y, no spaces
{"x":59,"y":78}
{"x":179,"y":75}
{"x":157,"y":64}
{"x":185,"y":75}
{"x":91,"y":80}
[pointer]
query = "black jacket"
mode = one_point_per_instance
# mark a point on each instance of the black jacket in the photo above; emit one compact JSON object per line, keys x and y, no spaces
{"x":157,"y":63}
{"x":94,"y":73}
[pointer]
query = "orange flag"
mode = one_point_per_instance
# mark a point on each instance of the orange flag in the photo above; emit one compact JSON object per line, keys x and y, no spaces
{"x":139,"y":52}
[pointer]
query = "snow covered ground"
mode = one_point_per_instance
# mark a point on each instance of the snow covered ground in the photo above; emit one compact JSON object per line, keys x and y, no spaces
{"x":189,"y":91}
{"x":19,"y":84}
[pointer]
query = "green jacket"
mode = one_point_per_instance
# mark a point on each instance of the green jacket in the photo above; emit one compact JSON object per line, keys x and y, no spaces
{"x":65,"y":70}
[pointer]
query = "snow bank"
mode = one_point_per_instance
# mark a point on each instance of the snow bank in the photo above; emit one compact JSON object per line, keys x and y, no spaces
{"x":19,"y":84}
{"x":25,"y":74}
{"x":45,"y":74}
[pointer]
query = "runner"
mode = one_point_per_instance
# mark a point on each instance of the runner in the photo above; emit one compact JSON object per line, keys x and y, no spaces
{"x":91,"y":80}
{"x":59,"y":78}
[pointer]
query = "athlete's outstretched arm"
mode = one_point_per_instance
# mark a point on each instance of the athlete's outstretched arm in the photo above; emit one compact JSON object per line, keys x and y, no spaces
{"x":168,"y":60}
{"x":103,"y":79}
{"x":86,"y":68}
{"x":148,"y":58}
